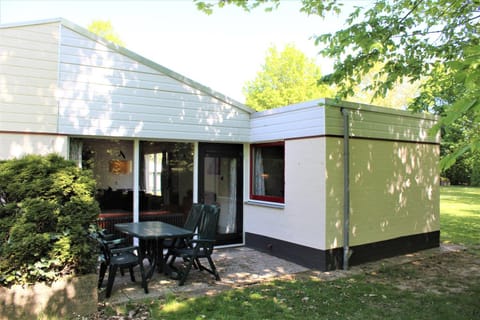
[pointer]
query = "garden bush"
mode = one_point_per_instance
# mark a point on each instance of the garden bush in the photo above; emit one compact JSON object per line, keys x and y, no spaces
{"x":47,"y":210}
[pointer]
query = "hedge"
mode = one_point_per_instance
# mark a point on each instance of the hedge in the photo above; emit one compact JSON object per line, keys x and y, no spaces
{"x":47,"y":210}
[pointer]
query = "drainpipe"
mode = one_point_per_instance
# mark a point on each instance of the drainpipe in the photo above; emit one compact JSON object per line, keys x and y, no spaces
{"x":346,"y":187}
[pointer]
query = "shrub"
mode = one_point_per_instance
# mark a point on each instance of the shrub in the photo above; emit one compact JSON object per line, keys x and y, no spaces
{"x":47,"y":209}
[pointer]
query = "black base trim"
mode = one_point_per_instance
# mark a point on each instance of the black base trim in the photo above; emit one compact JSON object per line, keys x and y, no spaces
{"x":332,"y":259}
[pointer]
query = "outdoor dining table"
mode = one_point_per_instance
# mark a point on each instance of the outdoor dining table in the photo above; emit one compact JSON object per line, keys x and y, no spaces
{"x":151,"y":235}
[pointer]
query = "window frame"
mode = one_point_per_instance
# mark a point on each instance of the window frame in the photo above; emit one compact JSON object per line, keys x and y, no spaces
{"x":156,"y":173}
{"x":266,"y":198}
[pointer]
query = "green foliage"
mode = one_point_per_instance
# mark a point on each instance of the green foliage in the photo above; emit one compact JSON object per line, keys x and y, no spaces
{"x":461,"y":163}
{"x":46,"y":211}
{"x":433,"y":42}
{"x":401,"y":95}
{"x":287,"y":77}
{"x":208,"y":6}
{"x":105,"y":30}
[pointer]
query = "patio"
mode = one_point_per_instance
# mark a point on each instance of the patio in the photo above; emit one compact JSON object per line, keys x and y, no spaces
{"x":242,"y":266}
{"x":238,"y":266}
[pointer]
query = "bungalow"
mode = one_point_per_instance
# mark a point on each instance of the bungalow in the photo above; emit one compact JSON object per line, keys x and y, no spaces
{"x":322,"y":183}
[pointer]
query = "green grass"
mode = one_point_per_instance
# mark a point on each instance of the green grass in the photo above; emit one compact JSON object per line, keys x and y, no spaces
{"x":432,"y":288}
{"x":460,"y":215}
{"x":350,"y":298}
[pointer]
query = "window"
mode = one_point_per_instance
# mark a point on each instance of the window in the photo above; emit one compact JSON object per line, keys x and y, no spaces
{"x":166,"y":176}
{"x":153,"y":173}
{"x":267,"y":178}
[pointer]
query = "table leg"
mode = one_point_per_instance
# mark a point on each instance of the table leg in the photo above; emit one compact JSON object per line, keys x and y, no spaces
{"x":148,"y":250}
{"x":159,"y":255}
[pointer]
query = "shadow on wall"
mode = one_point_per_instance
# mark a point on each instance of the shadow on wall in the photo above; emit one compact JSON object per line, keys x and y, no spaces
{"x":104,"y":93}
{"x":16,"y":145}
{"x":394,"y":190}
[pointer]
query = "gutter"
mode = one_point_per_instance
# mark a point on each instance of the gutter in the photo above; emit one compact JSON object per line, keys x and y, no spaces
{"x":346,"y":187}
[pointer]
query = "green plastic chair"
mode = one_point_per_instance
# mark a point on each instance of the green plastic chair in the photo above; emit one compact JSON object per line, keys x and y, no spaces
{"x":114,"y":258}
{"x":192,"y":222}
{"x":201,"y":246}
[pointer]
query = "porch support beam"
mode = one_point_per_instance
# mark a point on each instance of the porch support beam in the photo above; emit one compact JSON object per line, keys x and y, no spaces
{"x":136,"y":180}
{"x":195,"y":172}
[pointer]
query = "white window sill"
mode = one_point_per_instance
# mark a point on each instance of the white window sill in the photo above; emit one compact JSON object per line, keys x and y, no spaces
{"x":274,"y":205}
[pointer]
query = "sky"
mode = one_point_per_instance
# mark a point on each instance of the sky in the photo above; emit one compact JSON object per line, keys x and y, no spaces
{"x":221,"y":51}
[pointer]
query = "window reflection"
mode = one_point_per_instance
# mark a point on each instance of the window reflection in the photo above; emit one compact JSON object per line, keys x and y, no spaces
{"x":166,"y":177}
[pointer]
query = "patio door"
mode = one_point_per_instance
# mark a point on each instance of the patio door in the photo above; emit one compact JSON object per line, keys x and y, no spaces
{"x":221,"y":182}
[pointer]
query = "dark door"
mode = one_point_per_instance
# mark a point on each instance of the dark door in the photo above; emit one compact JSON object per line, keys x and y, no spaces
{"x":220,"y":182}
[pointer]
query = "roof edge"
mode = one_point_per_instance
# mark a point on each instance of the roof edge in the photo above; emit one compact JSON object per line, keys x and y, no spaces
{"x":379,"y":109}
{"x":291,"y":107}
{"x":30,"y":23}
{"x":329,"y":102}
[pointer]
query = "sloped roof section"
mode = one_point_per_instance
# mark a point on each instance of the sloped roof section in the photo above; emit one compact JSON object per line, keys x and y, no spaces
{"x":97,"y":88}
{"x":137,"y":57}
{"x":154,"y":65}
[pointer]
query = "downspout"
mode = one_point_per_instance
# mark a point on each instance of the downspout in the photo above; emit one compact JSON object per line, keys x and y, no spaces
{"x":346,"y":187}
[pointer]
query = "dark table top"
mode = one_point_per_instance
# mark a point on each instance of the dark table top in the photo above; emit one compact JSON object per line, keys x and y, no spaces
{"x":152,"y":230}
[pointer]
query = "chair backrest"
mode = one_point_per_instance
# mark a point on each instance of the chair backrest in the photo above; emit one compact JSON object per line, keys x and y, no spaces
{"x":194,"y":216}
{"x":104,"y":248}
{"x":208,"y":225}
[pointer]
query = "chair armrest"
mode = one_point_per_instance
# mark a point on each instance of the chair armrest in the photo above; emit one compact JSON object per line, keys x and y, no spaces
{"x":109,"y":237}
{"x":114,"y":242}
{"x":193,"y":241}
{"x":124,"y":249}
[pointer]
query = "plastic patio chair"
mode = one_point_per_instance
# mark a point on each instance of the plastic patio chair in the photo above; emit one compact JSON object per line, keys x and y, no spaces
{"x":191,"y":223}
{"x":113,"y":258}
{"x":199,"y":247}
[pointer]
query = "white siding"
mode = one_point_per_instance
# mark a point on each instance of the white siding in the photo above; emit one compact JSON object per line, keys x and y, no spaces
{"x":324,"y":117}
{"x":28,"y":78}
{"x":15,"y":145}
{"x":296,"y":121}
{"x":106,"y":93}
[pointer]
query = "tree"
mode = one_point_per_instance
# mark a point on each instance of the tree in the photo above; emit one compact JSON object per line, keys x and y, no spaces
{"x":399,"y":97}
{"x":466,"y":169}
{"x":105,"y":29}
{"x":287,"y":77}
{"x":433,"y":41}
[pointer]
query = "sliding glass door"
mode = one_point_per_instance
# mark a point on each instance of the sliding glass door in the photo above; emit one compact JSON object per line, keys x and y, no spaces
{"x":221,"y":182}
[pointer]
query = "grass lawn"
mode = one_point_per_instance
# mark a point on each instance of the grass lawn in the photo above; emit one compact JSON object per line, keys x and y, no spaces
{"x":460,"y":215}
{"x":443,"y":286}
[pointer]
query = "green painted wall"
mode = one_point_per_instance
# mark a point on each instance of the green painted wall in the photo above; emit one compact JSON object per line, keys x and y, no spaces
{"x":394,"y":190}
{"x":380,"y":123}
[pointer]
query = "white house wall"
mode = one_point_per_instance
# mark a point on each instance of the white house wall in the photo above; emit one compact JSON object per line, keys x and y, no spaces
{"x":385,"y":141}
{"x":106,"y":93}
{"x":302,"y":220}
{"x":15,"y":145}
{"x":28,"y":78}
